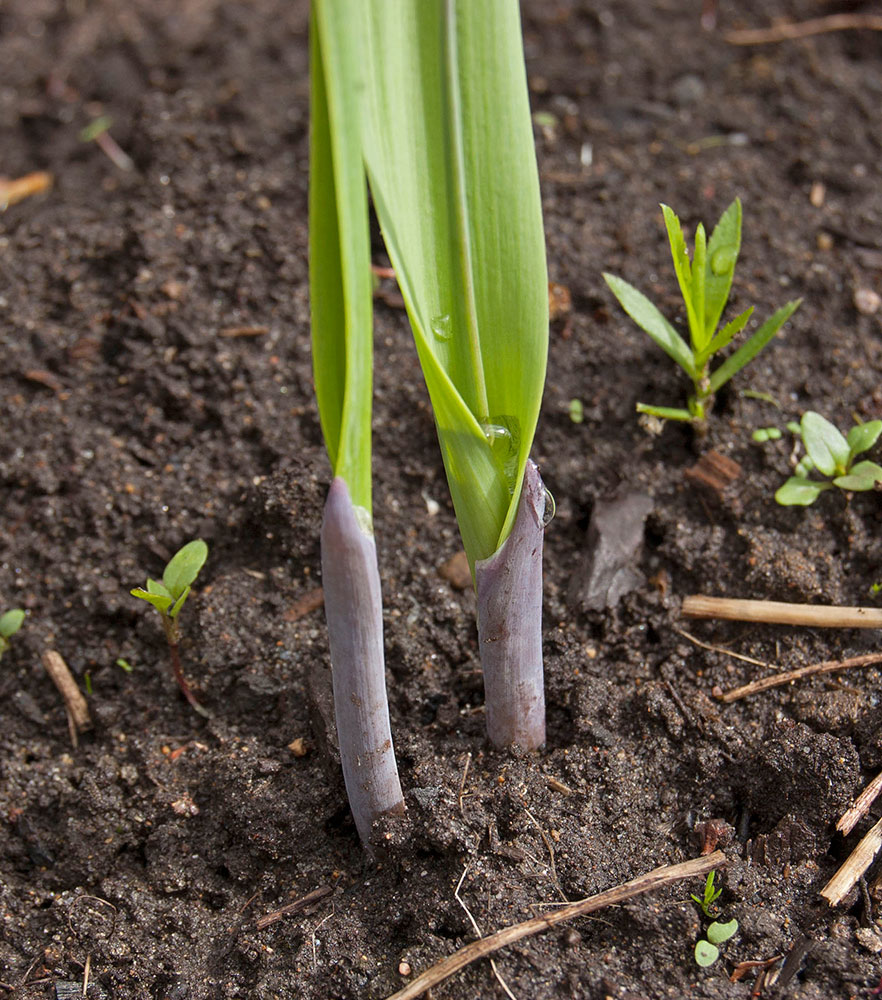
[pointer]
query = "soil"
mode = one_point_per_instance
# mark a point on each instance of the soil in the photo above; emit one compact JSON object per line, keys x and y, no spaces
{"x":156,"y":387}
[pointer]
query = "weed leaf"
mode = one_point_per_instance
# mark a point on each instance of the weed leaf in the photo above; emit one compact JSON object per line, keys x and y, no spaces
{"x":685,"y":272}
{"x":826,"y":446}
{"x":648,"y":318}
{"x":184,"y":566}
{"x":10,"y":622}
{"x":800,"y":492}
{"x":749,"y":350}
{"x":725,"y":336}
{"x":722,"y":255}
{"x":162,"y":602}
{"x":860,"y":477}
{"x":706,"y":953}
{"x":717,"y":933}
{"x":862,"y":437}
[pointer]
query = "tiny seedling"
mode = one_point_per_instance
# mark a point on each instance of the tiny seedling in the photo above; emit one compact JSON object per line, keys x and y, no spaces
{"x":705,"y":283}
{"x":710,"y":896}
{"x":10,"y":623}
{"x":168,"y":597}
{"x":707,"y":950}
{"x":831,"y":454}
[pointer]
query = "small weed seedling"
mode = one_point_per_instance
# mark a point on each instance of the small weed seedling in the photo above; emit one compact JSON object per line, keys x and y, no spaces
{"x":10,"y":623}
{"x":705,"y":283}
{"x":168,"y":598}
{"x":707,"y":950}
{"x":833,"y":455}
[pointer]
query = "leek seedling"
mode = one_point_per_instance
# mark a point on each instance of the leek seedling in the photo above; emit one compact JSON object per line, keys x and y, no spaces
{"x":705,"y":283}
{"x":340,"y":296}
{"x":833,"y":455}
{"x":168,"y":597}
{"x":10,"y":623}
{"x":448,"y":147}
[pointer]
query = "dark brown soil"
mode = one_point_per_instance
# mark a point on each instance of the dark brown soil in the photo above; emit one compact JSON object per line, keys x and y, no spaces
{"x":136,"y":414}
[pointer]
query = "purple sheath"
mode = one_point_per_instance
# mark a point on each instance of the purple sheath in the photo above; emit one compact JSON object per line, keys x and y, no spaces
{"x":354,"y":611}
{"x":509,"y":586}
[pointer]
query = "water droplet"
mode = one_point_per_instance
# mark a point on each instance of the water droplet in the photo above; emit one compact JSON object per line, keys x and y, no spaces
{"x":441,"y":328}
{"x":722,"y":261}
{"x":550,"y":509}
{"x":504,"y":437}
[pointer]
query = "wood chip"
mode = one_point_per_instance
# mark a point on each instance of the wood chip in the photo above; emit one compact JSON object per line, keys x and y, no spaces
{"x":304,"y":605}
{"x":715,"y":471}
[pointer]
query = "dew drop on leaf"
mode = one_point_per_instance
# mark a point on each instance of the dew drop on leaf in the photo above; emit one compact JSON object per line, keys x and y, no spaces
{"x":722,"y":261}
{"x":441,"y":328}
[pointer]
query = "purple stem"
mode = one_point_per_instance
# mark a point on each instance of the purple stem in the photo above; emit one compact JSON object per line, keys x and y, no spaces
{"x":354,"y":610}
{"x":509,"y":586}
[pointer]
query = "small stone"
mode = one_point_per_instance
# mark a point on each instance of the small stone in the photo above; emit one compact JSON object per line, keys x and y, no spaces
{"x":298,"y":747}
{"x":404,"y":969}
{"x":866,"y":301}
{"x":817,"y":194}
{"x":688,"y":89}
{"x":869,"y":938}
{"x":456,"y":571}
{"x":824,"y":241}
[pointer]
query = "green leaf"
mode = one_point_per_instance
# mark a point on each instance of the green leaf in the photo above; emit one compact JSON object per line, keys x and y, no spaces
{"x":706,"y":953}
{"x":339,"y":247}
{"x":682,"y":268}
{"x":861,"y":477}
{"x":161,"y":602}
{"x":825,"y":445}
{"x":10,"y":622}
{"x":179,"y":603}
{"x":723,"y":338}
{"x":722,"y":255}
{"x":749,"y":350}
{"x":448,"y":145}
{"x":664,"y":412}
{"x":862,"y":437}
{"x":649,"y":319}
{"x":717,"y":933}
{"x":700,"y":335}
{"x":799,"y":492}
{"x":184,"y":566}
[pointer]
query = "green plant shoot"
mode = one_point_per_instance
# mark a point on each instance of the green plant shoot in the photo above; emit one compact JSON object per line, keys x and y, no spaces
{"x":342,"y":351}
{"x":452,"y":169}
{"x":10,"y":623}
{"x":833,"y":455}
{"x":709,"y":897}
{"x":168,"y":597}
{"x":448,"y":147}
{"x":705,"y":283}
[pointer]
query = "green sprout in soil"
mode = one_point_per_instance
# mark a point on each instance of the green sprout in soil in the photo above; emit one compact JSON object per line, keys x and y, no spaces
{"x":833,"y":455}
{"x":10,"y":623}
{"x":707,"y":950}
{"x":445,"y":92}
{"x":168,"y":597}
{"x":705,"y":283}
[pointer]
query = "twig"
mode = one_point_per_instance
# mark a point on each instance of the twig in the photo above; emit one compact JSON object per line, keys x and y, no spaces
{"x":780,"y":613}
{"x":297,"y":905}
{"x":860,"y":806}
{"x":477,"y":931}
{"x":855,"y":865}
{"x":509,"y":935}
{"x":815,"y":26}
{"x":776,"y":680}
{"x":721,"y":649}
{"x":12,"y":191}
{"x":465,"y":774}
{"x":78,"y":718}
{"x":550,"y":849}
{"x":87,"y":974}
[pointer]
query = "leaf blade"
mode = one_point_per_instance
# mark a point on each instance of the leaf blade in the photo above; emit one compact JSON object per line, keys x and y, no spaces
{"x":184,"y":567}
{"x":722,"y":256}
{"x":752,"y":347}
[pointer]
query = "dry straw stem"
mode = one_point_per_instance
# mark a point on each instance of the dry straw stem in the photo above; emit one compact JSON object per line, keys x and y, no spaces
{"x":778,"y":680}
{"x":78,"y":718}
{"x":860,"y":806}
{"x":509,"y":935}
{"x":858,"y":862}
{"x":804,"y":29}
{"x":780,"y":613}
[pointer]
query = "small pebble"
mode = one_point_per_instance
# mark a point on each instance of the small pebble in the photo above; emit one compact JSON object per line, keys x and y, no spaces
{"x":824,"y":241}
{"x":817,"y":194}
{"x":404,"y":969}
{"x":866,"y":301}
